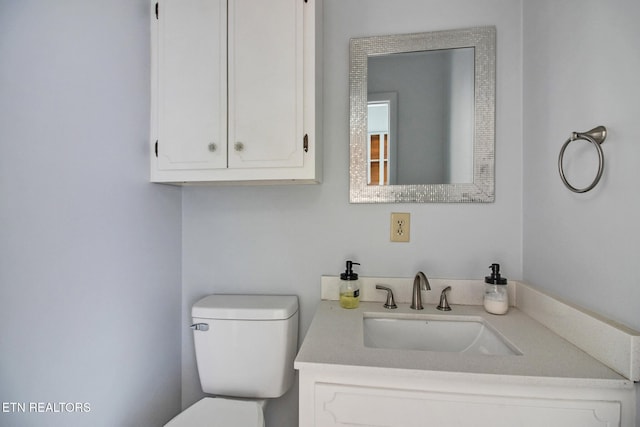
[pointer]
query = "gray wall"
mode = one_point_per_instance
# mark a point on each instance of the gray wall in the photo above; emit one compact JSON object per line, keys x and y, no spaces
{"x":282,"y":239}
{"x":583,"y":246}
{"x":90,"y":251}
{"x":576,"y":76}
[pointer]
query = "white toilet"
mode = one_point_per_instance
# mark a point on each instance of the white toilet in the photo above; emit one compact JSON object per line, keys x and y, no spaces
{"x":245,"y":346}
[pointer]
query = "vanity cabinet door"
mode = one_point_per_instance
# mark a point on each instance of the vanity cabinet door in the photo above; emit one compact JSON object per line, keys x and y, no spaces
{"x":234,"y":91}
{"x":331,"y":396}
{"x":342,"y":405}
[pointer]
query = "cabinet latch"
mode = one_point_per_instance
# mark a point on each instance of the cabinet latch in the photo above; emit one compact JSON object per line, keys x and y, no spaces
{"x":305,"y":143}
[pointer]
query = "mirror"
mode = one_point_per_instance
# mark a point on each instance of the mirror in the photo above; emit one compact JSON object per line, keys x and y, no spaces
{"x":422,"y":117}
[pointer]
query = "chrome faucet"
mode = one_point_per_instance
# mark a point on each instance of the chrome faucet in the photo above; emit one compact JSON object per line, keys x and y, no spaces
{"x":420,"y":283}
{"x":391,"y":302}
{"x":444,"y":304}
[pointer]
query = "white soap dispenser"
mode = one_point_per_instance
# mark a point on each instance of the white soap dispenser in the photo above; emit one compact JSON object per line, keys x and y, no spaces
{"x":496,"y":298}
{"x":349,"y":287}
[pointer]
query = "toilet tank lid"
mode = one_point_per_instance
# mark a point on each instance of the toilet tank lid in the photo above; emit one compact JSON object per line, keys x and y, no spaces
{"x":246,"y":307}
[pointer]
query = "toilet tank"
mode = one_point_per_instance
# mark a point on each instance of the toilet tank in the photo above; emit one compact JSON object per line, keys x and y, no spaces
{"x":248,"y":346}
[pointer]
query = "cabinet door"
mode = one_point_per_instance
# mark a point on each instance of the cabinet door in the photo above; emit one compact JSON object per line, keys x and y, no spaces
{"x":192,"y":84}
{"x":343,"y":405}
{"x":265,"y":83}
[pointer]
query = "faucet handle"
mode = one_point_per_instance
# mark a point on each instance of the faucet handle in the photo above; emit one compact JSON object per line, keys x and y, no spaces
{"x":391,"y":303}
{"x":444,"y":304}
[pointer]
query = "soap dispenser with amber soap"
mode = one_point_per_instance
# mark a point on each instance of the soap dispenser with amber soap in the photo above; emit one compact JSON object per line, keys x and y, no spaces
{"x":349,"y":287}
{"x":496,"y":298}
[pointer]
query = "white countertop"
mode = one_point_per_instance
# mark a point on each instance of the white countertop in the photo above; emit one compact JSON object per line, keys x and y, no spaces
{"x":335,"y":338}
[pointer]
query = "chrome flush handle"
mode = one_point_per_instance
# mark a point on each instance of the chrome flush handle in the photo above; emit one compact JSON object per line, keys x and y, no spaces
{"x":200,"y":327}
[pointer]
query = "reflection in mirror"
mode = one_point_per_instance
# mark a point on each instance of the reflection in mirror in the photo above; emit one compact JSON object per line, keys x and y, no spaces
{"x":422,"y":117}
{"x":382,"y":113}
{"x":435,"y":121}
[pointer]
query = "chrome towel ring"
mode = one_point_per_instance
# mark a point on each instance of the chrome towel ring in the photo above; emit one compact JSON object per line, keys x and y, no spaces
{"x":595,"y":136}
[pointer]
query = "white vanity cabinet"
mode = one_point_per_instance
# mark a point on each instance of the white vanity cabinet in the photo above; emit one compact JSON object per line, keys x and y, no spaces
{"x":336,"y":398}
{"x":235,"y":91}
{"x":548,"y":382}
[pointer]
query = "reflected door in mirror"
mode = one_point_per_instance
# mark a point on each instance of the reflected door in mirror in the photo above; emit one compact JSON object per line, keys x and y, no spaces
{"x":378,"y":146}
{"x":379,"y":159}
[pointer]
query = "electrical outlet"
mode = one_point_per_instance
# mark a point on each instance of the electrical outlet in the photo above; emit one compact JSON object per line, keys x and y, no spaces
{"x":400,"y":226}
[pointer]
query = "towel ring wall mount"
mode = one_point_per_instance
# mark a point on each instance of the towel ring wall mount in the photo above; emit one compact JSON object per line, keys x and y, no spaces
{"x":595,"y":136}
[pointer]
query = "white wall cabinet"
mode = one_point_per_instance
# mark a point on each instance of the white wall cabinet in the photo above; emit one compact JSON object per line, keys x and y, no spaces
{"x":235,"y":91}
{"x":331,"y":398}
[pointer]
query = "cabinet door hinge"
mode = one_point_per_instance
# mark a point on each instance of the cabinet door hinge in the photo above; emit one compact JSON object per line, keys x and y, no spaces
{"x":156,"y":10}
{"x":156,"y":148}
{"x":305,"y":143}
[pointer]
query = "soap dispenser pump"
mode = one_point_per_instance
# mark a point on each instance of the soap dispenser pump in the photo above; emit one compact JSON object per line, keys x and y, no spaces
{"x":349,"y":287}
{"x":496,"y":298}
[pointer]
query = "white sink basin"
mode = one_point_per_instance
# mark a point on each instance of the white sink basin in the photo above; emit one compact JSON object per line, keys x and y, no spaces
{"x":471,"y":335}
